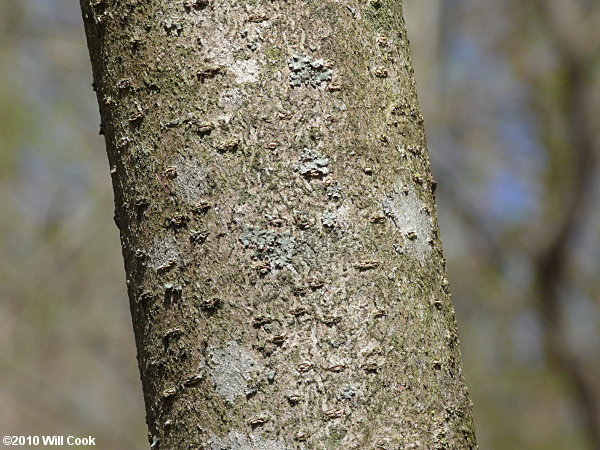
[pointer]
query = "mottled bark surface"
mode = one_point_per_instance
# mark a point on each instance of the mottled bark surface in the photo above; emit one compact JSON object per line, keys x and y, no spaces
{"x":277,"y":217}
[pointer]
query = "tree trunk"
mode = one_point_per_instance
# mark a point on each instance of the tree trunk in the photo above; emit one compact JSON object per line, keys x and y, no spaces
{"x":277,"y":218}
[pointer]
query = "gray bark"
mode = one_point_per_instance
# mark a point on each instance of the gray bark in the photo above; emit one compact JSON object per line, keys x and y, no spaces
{"x":276,"y":209}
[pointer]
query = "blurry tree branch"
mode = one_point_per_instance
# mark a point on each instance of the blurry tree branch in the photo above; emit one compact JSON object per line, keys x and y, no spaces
{"x":565,"y":98}
{"x":573,"y":29}
{"x":574,"y":38}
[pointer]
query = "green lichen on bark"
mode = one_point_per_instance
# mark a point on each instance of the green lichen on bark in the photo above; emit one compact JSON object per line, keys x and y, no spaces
{"x":286,"y":230}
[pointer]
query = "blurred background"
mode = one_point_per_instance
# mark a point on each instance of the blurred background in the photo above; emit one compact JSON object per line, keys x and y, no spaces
{"x":510,"y":91}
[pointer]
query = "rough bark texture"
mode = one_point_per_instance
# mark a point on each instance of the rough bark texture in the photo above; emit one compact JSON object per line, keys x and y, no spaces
{"x":277,"y":218}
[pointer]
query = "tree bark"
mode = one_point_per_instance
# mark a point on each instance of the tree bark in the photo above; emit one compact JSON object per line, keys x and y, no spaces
{"x":277,"y":219}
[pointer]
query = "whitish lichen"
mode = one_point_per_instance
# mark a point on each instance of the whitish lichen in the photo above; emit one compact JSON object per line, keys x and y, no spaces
{"x":329,"y":220}
{"x":231,"y":99}
{"x":231,"y":369}
{"x":312,"y":164}
{"x":240,"y":441}
{"x":221,"y":50}
{"x":277,"y":248}
{"x":190,"y":183}
{"x":347,"y":392}
{"x":408,"y":214}
{"x":308,"y":71}
{"x":164,"y":253}
{"x":246,"y":71}
{"x":334,"y":193}
{"x":172,"y":28}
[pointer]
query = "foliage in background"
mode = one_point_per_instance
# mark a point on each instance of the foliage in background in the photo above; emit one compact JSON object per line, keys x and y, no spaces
{"x":509,"y":91}
{"x":67,"y":361}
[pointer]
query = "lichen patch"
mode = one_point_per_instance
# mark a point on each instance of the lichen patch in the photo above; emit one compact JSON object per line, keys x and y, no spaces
{"x":409,"y":216}
{"x":305,"y":70}
{"x":278,"y":248}
{"x":246,"y":71}
{"x":231,"y":99}
{"x":190,"y":183}
{"x":164,"y":253}
{"x":312,"y":164}
{"x":222,"y":51}
{"x":231,"y":368}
